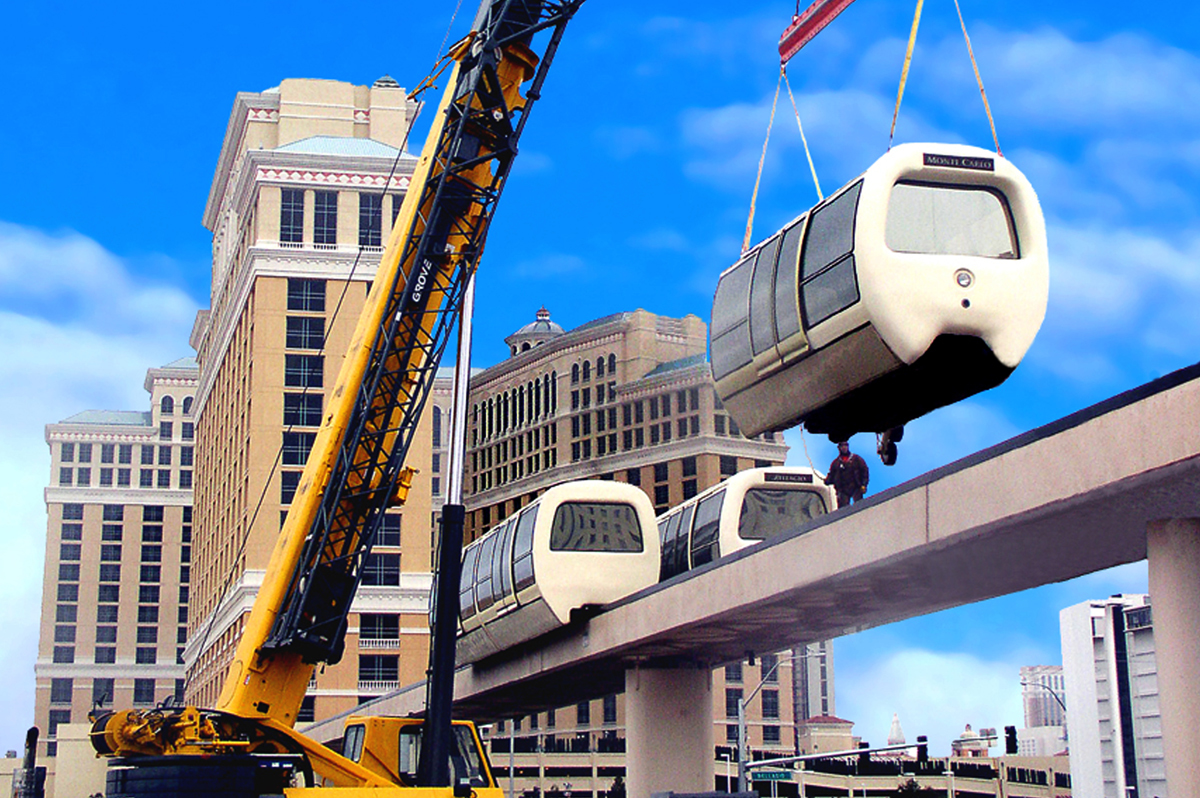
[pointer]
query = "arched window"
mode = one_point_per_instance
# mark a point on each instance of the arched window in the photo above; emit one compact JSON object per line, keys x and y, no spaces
{"x":167,"y":405}
{"x":587,"y":370}
{"x":187,"y":405}
{"x":612,"y":365}
{"x":525,"y":347}
{"x":575,"y":374}
{"x":600,"y":366}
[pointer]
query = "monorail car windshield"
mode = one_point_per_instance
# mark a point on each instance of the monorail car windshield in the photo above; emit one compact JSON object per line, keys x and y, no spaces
{"x":916,"y":285}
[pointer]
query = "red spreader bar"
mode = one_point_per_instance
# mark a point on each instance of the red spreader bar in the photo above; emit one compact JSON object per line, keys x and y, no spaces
{"x":807,"y":25}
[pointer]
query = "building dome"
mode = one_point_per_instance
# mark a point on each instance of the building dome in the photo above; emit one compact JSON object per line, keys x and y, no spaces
{"x":535,"y":333}
{"x":386,"y":82}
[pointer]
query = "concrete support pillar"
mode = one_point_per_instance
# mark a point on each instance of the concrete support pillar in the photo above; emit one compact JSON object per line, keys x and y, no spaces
{"x":668,"y":730}
{"x":1173,"y":549}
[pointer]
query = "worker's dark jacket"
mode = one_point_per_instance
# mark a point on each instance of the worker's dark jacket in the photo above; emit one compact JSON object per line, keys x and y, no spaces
{"x":849,"y":477}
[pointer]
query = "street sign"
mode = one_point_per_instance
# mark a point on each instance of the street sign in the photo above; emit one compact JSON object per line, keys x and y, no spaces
{"x":771,"y":775}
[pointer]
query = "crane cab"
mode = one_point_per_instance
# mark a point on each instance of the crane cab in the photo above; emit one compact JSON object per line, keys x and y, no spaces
{"x":921,"y":282}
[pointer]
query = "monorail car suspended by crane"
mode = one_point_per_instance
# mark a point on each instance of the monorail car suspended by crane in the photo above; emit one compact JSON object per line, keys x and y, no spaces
{"x":918,"y":284}
{"x":589,"y":543}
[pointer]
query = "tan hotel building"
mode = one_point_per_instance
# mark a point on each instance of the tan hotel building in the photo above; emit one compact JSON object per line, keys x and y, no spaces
{"x":308,"y":182}
{"x":115,"y":601}
{"x":627,"y":397}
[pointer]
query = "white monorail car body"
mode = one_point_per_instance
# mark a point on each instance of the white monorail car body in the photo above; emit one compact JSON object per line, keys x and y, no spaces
{"x":918,"y":284}
{"x":748,"y":507}
{"x":580,"y":544}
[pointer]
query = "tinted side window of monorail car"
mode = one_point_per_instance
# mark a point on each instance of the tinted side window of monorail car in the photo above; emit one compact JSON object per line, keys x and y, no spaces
{"x":670,"y":533}
{"x":950,"y":220}
{"x":523,"y":548}
{"x":503,"y":579}
{"x":827,"y":263}
{"x":730,"y":325}
{"x":768,"y":512}
{"x":706,"y":545}
{"x":466,"y":591}
{"x":787,"y":309}
{"x":485,"y":588}
{"x":762,"y":325}
{"x":595,"y":526}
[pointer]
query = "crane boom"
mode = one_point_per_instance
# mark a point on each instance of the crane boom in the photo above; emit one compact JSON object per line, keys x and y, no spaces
{"x":357,"y":468}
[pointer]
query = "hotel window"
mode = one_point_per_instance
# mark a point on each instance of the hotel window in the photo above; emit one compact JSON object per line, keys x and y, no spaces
{"x":296,"y":446}
{"x":66,"y":613}
{"x":107,"y":634}
{"x":305,"y":332}
{"x":302,"y":410}
{"x":770,"y":734}
{"x":107,"y":451}
{"x":67,"y":453}
{"x":125,"y":454}
{"x":167,"y":406}
{"x":164,"y":455}
{"x":146,"y":478}
{"x":732,"y":696}
{"x":389,"y":531}
{"x":105,"y":655}
{"x":165,"y":430}
{"x":370,"y":220}
{"x":188,"y":431}
{"x":186,"y":455}
{"x":108,"y":594}
{"x":123,"y":477}
{"x":61,"y":691}
{"x":378,"y":667}
{"x":164,"y":479}
{"x":64,"y":634}
{"x":306,"y":294}
{"x":770,"y":704}
{"x":106,"y":477}
{"x":291,"y":216}
{"x":85,"y":453}
{"x":143,"y":691}
{"x":69,"y":551}
{"x":66,"y":654}
{"x":381,"y":569}
{"x":68,"y":592}
{"x":72,"y":531}
{"x":288,"y":482}
{"x":148,"y":614}
{"x":66,"y":476}
{"x":83,"y":477}
{"x":102,"y":691}
{"x":145,"y":656}
{"x":148,"y":594}
{"x":304,"y":371}
{"x":147,"y":455}
{"x":325,"y":218}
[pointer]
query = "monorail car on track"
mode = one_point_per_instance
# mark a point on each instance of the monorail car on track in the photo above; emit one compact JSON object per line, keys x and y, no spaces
{"x":589,"y":543}
{"x":581,"y":544}
{"x":748,"y":507}
{"x":918,"y":284}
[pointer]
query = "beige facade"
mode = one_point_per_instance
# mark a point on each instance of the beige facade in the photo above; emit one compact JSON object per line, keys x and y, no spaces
{"x":307,"y":185}
{"x":115,"y":604}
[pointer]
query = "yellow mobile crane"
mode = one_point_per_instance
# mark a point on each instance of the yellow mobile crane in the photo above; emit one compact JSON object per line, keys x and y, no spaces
{"x":246,"y":745}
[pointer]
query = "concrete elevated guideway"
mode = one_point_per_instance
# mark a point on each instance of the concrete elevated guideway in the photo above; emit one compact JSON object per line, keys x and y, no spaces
{"x":1076,"y":496}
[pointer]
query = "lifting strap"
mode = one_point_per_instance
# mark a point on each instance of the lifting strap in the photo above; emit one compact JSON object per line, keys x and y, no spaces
{"x":803,"y":138}
{"x":761,"y":159}
{"x":912,"y":40}
{"x":978,"y":79}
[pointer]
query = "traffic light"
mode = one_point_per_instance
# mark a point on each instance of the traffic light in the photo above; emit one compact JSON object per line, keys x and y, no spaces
{"x":1010,"y":740}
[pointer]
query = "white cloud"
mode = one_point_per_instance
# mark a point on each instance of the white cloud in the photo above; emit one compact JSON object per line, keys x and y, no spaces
{"x":934,"y":693}
{"x":79,"y":331}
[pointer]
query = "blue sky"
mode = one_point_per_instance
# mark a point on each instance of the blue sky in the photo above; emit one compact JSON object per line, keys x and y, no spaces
{"x":631,"y":191}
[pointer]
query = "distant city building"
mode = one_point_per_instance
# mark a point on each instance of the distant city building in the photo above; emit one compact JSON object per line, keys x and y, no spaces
{"x":310,"y":178}
{"x":1112,"y":698}
{"x":1043,"y":693}
{"x":812,"y":681}
{"x":896,"y":733}
{"x":972,"y":743}
{"x":118,"y":551}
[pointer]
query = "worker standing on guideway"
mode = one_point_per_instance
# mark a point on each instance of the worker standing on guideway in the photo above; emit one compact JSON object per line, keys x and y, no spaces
{"x":848,"y":473}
